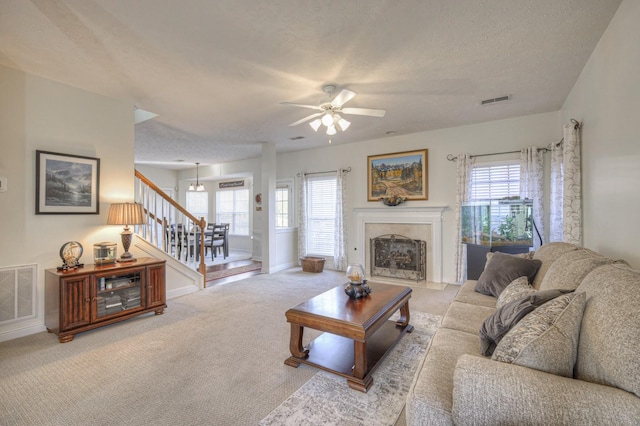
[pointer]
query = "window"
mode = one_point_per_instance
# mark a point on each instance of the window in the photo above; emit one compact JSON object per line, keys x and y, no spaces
{"x":284,"y":205}
{"x":198,"y":204}
{"x":232,"y":207}
{"x":494,"y":181}
{"x":321,"y":212}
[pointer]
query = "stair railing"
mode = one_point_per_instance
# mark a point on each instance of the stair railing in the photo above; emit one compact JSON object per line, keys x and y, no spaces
{"x":171,"y":227}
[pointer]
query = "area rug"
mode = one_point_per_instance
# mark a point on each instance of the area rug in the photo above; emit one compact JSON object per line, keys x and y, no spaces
{"x":326,"y":399}
{"x":223,"y":273}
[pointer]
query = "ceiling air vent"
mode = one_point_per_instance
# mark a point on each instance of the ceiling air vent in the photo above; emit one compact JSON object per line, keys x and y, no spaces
{"x":296,"y":138}
{"x":494,"y":100}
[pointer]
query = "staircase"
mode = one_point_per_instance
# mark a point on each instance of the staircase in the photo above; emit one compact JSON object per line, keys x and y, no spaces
{"x":171,"y":228}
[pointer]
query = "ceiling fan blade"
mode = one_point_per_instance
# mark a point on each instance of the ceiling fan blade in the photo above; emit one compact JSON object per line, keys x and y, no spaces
{"x":307,"y":118}
{"x":301,"y":105}
{"x":342,"y":98}
{"x":365,"y":111}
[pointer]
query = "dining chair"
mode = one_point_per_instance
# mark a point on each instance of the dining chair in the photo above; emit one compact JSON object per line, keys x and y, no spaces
{"x":219,"y":240}
{"x":173,"y":243}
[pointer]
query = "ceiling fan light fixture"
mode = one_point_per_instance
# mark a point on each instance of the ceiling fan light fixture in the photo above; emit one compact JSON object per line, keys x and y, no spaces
{"x":331,"y":130}
{"x":343,"y":124}
{"x":315,"y":124}
{"x":327,"y":119}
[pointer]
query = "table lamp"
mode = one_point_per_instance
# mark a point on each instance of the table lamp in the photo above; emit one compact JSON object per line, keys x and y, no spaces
{"x":126,"y":214}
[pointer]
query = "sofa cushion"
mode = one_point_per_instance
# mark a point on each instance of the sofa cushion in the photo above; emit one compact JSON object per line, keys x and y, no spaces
{"x":468,"y":294}
{"x":503,"y":269}
{"x":517,"y":289}
{"x":547,"y":338}
{"x":496,"y":326}
{"x":570,"y":269}
{"x":547,"y":254}
{"x":430,"y":398}
{"x":466,"y":317}
{"x":527,"y":255}
{"x":610,"y":332}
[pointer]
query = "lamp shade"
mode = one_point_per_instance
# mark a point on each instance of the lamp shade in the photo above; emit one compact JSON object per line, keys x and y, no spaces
{"x":126,"y":214}
{"x":315,"y":124}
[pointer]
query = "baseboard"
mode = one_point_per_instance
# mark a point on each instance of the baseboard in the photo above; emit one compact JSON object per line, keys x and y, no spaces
{"x":172,"y":294}
{"x":21,"y":332}
{"x":282,"y":267}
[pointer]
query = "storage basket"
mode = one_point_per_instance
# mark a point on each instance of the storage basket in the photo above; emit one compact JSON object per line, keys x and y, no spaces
{"x":312,"y":264}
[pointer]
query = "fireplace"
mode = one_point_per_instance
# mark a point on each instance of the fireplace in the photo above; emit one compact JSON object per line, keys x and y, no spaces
{"x":397,"y":256}
{"x":416,"y":223}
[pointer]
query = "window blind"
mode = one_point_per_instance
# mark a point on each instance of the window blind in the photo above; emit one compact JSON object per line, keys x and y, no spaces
{"x":321,"y":210}
{"x":495,"y":181}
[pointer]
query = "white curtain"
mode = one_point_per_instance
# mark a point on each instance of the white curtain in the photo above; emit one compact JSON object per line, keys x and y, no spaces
{"x":302,"y":216}
{"x":340,"y":241}
{"x":531,"y":181}
{"x":566,"y":188}
{"x":555,"y":194}
{"x":463,"y":193}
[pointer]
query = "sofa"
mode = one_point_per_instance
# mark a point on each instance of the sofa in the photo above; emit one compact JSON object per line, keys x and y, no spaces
{"x":597,"y":349}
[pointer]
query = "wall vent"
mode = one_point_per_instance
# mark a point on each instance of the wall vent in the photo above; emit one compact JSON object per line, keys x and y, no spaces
{"x":17,"y":293}
{"x":296,"y":138}
{"x":495,"y":100}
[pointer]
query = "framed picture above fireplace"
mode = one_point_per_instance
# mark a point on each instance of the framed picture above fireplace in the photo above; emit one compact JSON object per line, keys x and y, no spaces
{"x":401,"y":174}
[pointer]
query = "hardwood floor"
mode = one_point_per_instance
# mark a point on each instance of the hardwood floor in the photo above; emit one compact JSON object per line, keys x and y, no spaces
{"x":232,"y":271}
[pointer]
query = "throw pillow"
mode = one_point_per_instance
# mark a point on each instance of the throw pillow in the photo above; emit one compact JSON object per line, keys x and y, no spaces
{"x":527,"y":255}
{"x":547,"y":338}
{"x":517,"y":289}
{"x":495,"y":327}
{"x":503,"y":269}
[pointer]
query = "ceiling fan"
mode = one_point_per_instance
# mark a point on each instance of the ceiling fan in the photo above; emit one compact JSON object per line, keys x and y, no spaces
{"x":329,"y":114}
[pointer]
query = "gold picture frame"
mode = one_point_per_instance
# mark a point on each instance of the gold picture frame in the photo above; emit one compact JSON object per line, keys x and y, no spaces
{"x":401,"y":174}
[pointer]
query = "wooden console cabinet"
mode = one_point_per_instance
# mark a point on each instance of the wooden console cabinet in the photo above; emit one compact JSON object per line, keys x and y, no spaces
{"x":97,"y":295}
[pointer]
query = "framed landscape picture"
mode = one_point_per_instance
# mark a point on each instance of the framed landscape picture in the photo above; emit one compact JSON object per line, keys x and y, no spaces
{"x":67,"y":184}
{"x":402,"y":174}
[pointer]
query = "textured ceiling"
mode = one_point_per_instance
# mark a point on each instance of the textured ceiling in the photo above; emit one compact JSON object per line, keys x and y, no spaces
{"x":216,"y":71}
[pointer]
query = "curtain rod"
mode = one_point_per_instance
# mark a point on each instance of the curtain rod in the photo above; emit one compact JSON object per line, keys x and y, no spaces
{"x":576,"y":125}
{"x":348,"y":169}
{"x":452,"y":157}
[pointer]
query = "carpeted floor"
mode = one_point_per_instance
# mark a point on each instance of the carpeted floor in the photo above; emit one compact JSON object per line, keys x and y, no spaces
{"x":215,"y":357}
{"x":326,"y":399}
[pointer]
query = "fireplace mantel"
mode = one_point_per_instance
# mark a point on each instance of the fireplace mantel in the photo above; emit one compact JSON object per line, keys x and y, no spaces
{"x":431,"y":215}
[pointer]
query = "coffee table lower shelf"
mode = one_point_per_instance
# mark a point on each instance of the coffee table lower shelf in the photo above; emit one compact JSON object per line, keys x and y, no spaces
{"x":335,"y":354}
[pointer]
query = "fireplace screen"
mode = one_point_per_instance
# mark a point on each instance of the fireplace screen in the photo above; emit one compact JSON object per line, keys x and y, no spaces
{"x":397,"y":256}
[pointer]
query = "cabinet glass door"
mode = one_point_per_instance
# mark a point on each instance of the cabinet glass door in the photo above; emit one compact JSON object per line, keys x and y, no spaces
{"x":118,"y":293}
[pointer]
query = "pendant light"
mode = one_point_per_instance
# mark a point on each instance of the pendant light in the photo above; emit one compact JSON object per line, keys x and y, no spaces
{"x":198,"y":187}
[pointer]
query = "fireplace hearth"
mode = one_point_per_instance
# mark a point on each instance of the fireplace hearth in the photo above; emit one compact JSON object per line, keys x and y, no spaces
{"x":397,"y":256}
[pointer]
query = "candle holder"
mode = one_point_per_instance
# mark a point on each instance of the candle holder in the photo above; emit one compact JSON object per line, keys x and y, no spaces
{"x":357,"y":287}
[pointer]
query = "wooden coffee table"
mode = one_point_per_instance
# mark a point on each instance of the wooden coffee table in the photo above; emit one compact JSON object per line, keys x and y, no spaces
{"x":357,"y":333}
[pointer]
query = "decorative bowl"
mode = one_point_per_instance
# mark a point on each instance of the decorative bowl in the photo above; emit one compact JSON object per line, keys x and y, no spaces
{"x":392,"y":201}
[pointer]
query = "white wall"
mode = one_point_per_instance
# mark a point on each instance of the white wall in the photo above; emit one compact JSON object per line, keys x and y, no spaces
{"x":162,"y":178}
{"x":495,"y":136}
{"x":39,"y":114}
{"x":606,"y":98}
